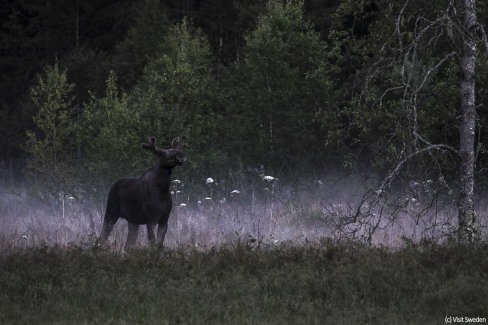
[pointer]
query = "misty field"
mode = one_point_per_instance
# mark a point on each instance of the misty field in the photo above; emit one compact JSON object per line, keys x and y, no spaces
{"x":256,"y":209}
{"x":265,"y":252}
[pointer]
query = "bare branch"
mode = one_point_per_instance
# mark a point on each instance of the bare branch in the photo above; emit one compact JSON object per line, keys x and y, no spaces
{"x":484,"y":38}
{"x":387,"y":181}
{"x":444,"y":59}
{"x":397,"y":24}
{"x":414,"y":98}
{"x":427,"y":28}
{"x":380,"y":100}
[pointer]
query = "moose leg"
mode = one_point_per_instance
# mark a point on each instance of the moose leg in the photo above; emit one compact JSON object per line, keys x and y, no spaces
{"x":162,"y":228}
{"x":131,"y":236}
{"x":108,"y":225}
{"x":150,"y":233}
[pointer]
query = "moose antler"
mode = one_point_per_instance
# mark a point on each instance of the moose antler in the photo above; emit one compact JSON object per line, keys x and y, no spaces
{"x":178,"y":142}
{"x":151,"y":145}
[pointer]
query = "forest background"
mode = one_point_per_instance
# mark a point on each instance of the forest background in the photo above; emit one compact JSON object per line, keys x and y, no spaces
{"x":293,"y":89}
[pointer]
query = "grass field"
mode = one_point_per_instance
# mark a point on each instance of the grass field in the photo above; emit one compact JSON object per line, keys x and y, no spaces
{"x":278,"y":255}
{"x":327,"y":283}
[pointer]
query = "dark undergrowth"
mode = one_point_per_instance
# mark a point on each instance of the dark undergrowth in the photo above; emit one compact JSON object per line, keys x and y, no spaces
{"x":323,"y":284}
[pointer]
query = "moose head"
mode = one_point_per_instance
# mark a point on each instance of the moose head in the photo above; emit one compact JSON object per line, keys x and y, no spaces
{"x":168,"y":158}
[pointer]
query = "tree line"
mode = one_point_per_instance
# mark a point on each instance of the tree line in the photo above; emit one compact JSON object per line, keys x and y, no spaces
{"x":293,"y":87}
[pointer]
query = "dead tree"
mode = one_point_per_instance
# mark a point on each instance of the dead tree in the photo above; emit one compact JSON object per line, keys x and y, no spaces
{"x":459,"y":23}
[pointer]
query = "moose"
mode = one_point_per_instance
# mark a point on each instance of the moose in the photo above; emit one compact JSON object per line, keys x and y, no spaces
{"x":145,"y":200}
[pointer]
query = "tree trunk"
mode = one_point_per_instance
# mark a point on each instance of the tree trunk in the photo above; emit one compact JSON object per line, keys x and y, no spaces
{"x":467,"y":127}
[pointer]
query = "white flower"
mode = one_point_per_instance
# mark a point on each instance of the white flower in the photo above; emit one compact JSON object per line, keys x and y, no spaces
{"x":183,"y":205}
{"x":208,"y":198}
{"x":209,"y":180}
{"x":178,"y":192}
{"x":235,"y":192}
{"x":172,"y":192}
{"x":268,"y":178}
{"x":199,"y":202}
{"x":414,"y":184}
{"x":177,"y":181}
{"x":71,"y":198}
{"x":319,"y":182}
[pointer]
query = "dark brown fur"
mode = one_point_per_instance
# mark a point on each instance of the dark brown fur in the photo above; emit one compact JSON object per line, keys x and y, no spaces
{"x":145,"y":200}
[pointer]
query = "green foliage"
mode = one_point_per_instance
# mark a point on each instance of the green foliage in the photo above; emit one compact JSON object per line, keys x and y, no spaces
{"x":280,"y":86}
{"x":108,"y":135}
{"x":403,"y":87}
{"x":328,"y":283}
{"x":79,"y":33}
{"x":226,"y":23}
{"x":308,"y":86}
{"x":51,"y":148}
{"x":142,"y":42}
{"x":177,"y":94}
{"x":88,"y":69}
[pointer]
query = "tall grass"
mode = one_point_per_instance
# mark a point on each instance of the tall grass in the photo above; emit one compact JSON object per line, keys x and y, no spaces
{"x":267,"y":253}
{"x":262,"y":212}
{"x":325,"y":283}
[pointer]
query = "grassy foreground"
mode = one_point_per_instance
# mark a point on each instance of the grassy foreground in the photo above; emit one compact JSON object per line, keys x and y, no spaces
{"x":323,"y":284}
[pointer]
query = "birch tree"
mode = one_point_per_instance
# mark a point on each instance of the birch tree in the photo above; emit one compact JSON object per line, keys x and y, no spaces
{"x":51,"y":163}
{"x":418,"y":78}
{"x":467,"y":214}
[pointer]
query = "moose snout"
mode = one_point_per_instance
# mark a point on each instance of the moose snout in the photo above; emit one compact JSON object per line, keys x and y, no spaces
{"x":180,"y":160}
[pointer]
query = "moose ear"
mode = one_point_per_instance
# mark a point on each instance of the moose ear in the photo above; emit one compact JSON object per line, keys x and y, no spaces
{"x":178,"y":142}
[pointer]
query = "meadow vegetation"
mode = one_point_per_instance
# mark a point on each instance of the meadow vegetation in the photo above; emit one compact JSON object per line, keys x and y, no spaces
{"x":329,"y":282}
{"x":282,"y":255}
